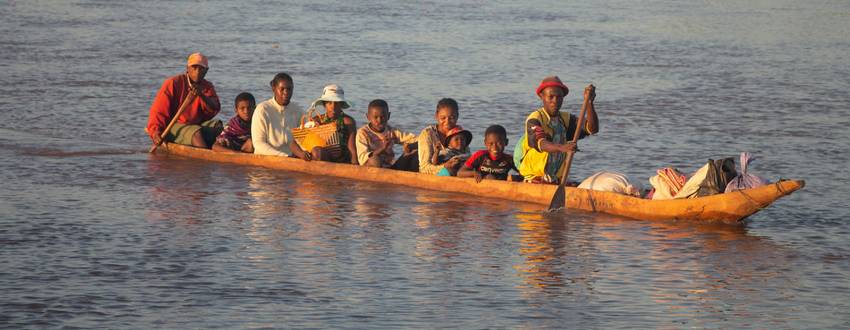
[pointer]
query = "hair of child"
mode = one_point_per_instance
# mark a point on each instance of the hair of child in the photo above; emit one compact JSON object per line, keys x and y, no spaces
{"x":245,"y":96}
{"x":379,"y":103}
{"x":496,"y":129}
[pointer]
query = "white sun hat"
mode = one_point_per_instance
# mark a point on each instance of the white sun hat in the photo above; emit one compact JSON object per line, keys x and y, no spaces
{"x":332,"y":93}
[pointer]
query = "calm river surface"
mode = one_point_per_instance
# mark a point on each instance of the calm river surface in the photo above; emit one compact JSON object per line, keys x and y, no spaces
{"x":96,"y":233}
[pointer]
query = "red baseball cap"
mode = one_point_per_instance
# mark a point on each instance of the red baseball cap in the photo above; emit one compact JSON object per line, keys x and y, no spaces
{"x":552,"y":81}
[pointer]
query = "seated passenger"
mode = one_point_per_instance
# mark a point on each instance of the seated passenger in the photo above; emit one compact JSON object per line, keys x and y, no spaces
{"x":457,"y":148}
{"x":236,"y":135}
{"x":376,"y":139}
{"x":492,"y":163}
{"x":433,"y":138}
{"x":273,"y":120}
{"x":333,"y":99}
{"x":196,"y":126}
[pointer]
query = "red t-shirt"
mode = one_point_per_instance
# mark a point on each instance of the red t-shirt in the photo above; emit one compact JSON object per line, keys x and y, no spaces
{"x":500,"y":167}
{"x":168,"y":100}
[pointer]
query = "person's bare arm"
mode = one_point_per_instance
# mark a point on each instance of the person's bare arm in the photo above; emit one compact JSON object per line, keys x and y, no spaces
{"x":592,"y":124}
{"x":298,"y":152}
{"x":453,"y":164}
{"x":466,"y":172}
{"x":351,"y":126}
{"x":548,"y":146}
{"x":426,"y":163}
{"x":540,"y":140}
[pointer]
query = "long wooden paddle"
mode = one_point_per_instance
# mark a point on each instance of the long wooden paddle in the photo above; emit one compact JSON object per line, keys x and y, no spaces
{"x":189,"y":98}
{"x":561,"y":194}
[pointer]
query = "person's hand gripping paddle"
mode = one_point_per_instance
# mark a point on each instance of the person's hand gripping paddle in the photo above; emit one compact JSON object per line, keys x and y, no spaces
{"x":189,"y":98}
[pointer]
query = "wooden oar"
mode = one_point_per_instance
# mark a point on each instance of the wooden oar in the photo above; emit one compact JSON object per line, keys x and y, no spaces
{"x":561,"y":194}
{"x":189,"y":98}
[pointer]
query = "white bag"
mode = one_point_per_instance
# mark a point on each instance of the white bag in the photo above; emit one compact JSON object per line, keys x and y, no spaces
{"x":613,"y":182}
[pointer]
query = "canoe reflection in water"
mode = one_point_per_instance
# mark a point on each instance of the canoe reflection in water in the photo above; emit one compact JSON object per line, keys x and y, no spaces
{"x":329,"y":238}
{"x":184,"y":201}
{"x":697,"y":272}
{"x":550,"y":257}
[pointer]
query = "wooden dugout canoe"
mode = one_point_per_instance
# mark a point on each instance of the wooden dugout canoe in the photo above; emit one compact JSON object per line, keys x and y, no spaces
{"x":728,"y":208}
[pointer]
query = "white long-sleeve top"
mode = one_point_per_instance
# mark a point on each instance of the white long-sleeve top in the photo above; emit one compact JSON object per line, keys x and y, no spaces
{"x":271,"y":127}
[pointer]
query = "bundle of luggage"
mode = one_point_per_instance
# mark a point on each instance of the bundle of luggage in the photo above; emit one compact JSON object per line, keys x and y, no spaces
{"x":715,"y":177}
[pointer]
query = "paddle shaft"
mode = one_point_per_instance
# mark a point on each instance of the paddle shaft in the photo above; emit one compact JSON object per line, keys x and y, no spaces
{"x":560,"y":194}
{"x":189,"y":98}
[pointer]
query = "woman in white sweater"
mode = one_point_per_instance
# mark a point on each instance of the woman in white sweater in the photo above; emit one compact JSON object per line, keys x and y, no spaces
{"x":274,"y":119}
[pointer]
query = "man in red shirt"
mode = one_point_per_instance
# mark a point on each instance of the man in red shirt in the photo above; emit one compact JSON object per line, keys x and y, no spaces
{"x":195,"y":126}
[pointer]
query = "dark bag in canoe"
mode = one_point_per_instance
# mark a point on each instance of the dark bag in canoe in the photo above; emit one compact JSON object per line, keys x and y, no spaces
{"x":720,"y":172}
{"x":709,"y":180}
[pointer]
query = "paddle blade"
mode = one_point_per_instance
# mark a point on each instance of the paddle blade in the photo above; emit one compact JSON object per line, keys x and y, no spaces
{"x":558,"y":199}
{"x":154,"y":147}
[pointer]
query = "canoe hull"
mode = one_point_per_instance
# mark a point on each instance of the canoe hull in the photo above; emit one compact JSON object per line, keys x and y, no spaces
{"x":727,"y":208}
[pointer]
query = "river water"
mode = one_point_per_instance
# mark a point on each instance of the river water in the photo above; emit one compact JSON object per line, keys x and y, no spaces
{"x":95,"y":232}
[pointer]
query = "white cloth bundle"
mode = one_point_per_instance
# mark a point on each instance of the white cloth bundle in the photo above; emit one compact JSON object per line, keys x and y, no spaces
{"x":613,"y":182}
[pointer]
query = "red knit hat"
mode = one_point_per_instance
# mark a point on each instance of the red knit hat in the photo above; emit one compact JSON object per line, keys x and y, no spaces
{"x":552,"y":81}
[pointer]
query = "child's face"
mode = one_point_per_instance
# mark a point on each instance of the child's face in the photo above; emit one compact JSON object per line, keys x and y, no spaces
{"x":495,"y":144}
{"x":378,"y":117}
{"x":446,"y":118}
{"x":333,"y":108}
{"x":456,"y":142}
{"x":245,"y":109}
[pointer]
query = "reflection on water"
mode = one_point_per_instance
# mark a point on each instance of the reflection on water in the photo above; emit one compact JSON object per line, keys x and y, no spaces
{"x":184,"y":199}
{"x":543,"y":249}
{"x":263,"y":203}
{"x":442,"y":228}
{"x":325,"y":232}
{"x":217,"y":236}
